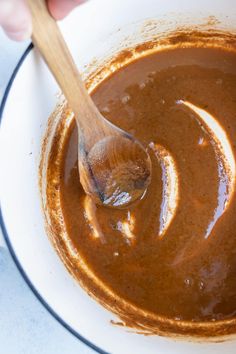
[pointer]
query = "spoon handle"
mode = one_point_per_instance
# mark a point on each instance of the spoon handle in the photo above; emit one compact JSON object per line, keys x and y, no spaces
{"x":48,"y":39}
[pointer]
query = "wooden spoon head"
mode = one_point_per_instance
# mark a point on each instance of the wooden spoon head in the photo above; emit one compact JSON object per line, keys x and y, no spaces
{"x":116,"y":171}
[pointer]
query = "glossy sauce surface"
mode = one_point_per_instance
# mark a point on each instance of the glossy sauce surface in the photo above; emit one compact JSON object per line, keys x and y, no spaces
{"x":174,"y":252}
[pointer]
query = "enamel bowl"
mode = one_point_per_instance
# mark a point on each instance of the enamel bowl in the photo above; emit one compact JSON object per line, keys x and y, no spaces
{"x":95,"y":30}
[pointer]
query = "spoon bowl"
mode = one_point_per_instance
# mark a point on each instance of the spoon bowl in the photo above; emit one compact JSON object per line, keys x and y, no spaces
{"x":116,"y":171}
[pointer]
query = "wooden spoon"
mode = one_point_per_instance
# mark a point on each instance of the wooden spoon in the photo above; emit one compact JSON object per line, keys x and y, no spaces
{"x":115,"y":169}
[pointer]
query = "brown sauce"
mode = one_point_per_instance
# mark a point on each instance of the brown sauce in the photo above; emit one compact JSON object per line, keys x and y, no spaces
{"x":173,"y":254}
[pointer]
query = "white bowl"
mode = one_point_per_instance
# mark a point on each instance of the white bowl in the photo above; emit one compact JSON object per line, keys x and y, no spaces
{"x":95,"y":30}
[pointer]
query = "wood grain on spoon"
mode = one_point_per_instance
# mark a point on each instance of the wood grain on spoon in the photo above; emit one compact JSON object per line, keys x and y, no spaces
{"x":115,"y":169}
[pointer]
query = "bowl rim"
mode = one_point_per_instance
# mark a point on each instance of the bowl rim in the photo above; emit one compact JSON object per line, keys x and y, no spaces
{"x":6,"y":235}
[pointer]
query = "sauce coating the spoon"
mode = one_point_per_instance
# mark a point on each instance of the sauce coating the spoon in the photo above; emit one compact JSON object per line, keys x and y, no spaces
{"x":124,"y":181}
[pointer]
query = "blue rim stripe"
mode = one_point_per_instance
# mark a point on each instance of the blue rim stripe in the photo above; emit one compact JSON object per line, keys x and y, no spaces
{"x":7,"y":238}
